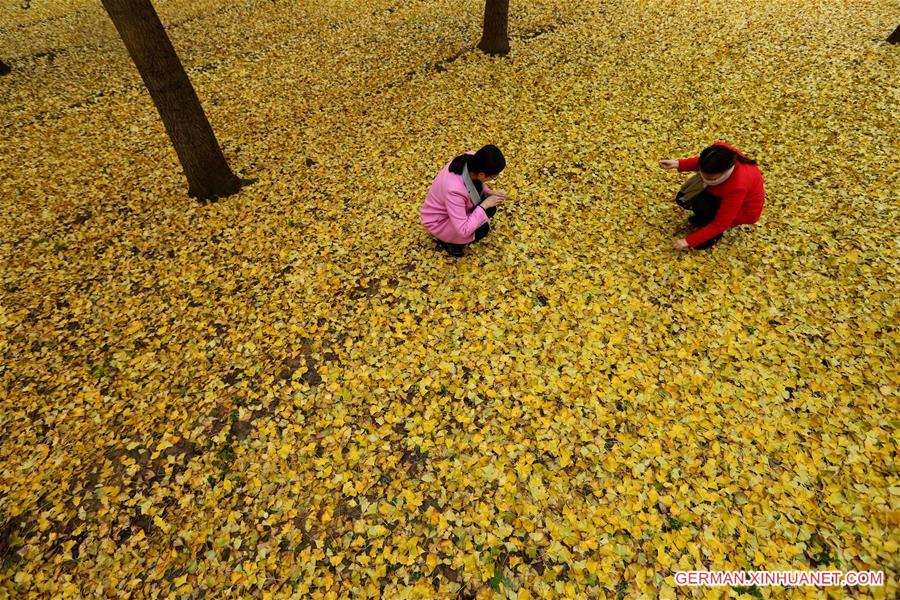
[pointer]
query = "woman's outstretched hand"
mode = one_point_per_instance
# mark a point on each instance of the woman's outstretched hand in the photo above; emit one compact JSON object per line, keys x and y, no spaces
{"x":681,"y":244}
{"x":495,"y":199}
{"x":668,"y":164}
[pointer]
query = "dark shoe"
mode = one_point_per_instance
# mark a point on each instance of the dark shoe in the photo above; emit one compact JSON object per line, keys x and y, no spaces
{"x":455,"y":250}
{"x":709,"y":243}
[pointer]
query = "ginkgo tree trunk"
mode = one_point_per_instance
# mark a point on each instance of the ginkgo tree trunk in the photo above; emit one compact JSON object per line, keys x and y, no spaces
{"x":205,"y":167}
{"x":895,"y":37}
{"x":495,"y":37}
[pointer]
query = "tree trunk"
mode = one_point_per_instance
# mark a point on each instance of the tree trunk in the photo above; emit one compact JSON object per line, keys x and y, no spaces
{"x":495,"y":38}
{"x":895,"y":37}
{"x":4,"y":68}
{"x":207,"y":172}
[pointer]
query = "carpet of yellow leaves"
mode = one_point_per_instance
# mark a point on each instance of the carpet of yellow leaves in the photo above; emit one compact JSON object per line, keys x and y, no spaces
{"x":293,"y":392}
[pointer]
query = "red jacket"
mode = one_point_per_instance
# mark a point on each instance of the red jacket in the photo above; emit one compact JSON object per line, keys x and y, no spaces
{"x":742,"y":198}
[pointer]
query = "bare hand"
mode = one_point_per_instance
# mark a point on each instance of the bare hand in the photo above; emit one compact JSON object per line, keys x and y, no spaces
{"x":668,"y":164}
{"x":493,"y":200}
{"x":681,"y":244}
{"x":500,"y":193}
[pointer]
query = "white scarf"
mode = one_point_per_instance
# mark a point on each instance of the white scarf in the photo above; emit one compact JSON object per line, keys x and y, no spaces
{"x":474,"y":195}
{"x":719,"y":180}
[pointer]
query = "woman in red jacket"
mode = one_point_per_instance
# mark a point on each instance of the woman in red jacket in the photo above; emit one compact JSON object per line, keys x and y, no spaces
{"x":734,"y":193}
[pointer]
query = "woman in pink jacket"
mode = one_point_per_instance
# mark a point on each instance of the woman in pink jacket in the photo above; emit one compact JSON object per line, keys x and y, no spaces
{"x":459,"y":205}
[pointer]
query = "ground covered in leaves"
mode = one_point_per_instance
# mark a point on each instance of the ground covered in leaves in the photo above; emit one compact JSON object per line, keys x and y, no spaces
{"x":293,"y":392}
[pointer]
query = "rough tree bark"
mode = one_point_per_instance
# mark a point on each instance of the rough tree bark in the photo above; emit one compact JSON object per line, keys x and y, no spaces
{"x":895,"y":37}
{"x":495,"y":37}
{"x":207,"y":172}
{"x":4,"y":68}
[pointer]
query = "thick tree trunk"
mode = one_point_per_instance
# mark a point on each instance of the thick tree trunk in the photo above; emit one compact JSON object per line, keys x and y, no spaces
{"x":895,"y":37}
{"x":207,"y":172}
{"x":495,"y":38}
{"x":4,"y":68}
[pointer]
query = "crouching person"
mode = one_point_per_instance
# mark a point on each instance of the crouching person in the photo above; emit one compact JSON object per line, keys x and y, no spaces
{"x":459,"y":206}
{"x":733,"y":194}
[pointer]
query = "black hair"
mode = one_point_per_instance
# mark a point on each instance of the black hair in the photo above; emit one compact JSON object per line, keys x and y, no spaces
{"x":489,"y":160}
{"x":718,"y":159}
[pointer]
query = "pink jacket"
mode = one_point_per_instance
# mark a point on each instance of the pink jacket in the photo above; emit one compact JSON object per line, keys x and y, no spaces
{"x":447,"y":213}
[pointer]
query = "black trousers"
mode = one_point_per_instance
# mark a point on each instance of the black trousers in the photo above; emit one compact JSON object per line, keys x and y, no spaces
{"x":705,"y":207}
{"x":484,"y":229}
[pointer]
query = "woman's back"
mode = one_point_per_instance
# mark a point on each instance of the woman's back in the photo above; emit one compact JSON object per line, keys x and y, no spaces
{"x":746,"y":180}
